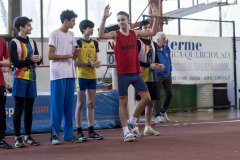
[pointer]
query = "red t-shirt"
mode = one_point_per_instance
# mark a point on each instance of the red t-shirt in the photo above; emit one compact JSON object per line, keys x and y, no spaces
{"x":126,"y":53}
{"x":3,"y":54}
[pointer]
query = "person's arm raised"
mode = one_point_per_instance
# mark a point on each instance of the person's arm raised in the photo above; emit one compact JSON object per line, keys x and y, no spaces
{"x":101,"y":34}
{"x":153,"y":31}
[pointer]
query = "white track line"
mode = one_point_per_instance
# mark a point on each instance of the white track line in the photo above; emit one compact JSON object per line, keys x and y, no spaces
{"x":217,"y":122}
{"x":197,"y":123}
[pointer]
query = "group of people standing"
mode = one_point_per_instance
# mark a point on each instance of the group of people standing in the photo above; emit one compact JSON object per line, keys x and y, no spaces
{"x":66,"y":54}
{"x":139,"y":61}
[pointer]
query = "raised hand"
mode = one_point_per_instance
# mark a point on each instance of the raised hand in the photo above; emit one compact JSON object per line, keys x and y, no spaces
{"x":154,"y":10}
{"x":106,"y":13}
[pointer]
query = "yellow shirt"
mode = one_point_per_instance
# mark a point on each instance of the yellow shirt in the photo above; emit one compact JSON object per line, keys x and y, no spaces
{"x":86,"y":54}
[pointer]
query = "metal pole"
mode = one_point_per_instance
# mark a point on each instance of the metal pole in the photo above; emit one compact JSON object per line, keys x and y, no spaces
{"x":9,"y":18}
{"x":235,"y":64}
{"x":114,"y":79}
{"x":220,"y":19}
{"x":16,"y":11}
{"x":130,"y":12}
{"x":86,"y":9}
{"x":41,"y":23}
{"x":179,"y":21}
{"x":160,"y":14}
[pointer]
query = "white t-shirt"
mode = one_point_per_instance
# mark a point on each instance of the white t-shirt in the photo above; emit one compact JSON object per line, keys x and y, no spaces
{"x":63,"y":43}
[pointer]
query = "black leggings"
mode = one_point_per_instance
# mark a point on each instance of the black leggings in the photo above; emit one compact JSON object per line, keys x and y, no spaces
{"x":2,"y":112}
{"x":166,"y":84}
{"x":26,"y":105}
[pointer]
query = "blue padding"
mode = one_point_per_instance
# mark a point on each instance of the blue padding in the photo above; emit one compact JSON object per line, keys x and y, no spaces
{"x":106,"y":113}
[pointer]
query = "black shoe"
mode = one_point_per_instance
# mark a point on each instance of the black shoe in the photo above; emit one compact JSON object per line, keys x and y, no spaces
{"x":19,"y":142}
{"x":55,"y":140}
{"x":81,"y":137}
{"x":94,"y":135}
{"x":30,"y":141}
{"x":74,"y":140}
{"x":5,"y":145}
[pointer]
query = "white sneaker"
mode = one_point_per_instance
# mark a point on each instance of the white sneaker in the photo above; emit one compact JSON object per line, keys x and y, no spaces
{"x":165,"y":116}
{"x":135,"y":131}
{"x":160,"y":119}
{"x":129,"y":137}
{"x":149,"y":131}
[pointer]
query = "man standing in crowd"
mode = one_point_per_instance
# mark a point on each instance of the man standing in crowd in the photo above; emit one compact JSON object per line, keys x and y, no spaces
{"x":164,"y":78}
{"x":24,"y":57}
{"x":62,"y":52}
{"x":149,"y":64}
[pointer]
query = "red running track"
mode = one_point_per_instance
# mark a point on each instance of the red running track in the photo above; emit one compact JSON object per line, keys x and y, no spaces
{"x":200,"y":140}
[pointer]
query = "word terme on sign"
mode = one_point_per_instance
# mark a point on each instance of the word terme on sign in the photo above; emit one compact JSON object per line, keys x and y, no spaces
{"x":188,"y":46}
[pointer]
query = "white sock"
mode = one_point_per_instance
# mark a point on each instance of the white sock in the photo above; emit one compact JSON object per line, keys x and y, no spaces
{"x":125,"y":130}
{"x":133,"y":120}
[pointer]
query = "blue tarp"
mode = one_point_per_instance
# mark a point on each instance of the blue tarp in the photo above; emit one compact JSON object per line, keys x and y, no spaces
{"x":106,"y":113}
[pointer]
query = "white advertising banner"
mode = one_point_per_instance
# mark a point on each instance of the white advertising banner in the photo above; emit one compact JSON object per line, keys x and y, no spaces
{"x":201,"y":60}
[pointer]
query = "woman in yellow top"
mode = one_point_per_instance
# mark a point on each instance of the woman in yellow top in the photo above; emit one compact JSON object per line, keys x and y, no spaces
{"x":86,"y":64}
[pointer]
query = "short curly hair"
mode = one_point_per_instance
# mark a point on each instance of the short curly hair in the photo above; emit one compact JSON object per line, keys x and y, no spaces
{"x":143,"y":23}
{"x":67,"y":15}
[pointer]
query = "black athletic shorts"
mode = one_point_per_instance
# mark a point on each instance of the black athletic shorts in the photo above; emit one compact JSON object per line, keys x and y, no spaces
{"x":153,"y":90}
